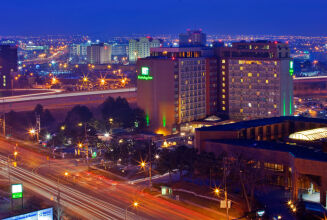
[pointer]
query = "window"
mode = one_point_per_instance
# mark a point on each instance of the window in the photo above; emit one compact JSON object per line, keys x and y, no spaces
{"x":249,"y":74}
{"x":223,"y":102}
{"x":267,"y":81}
{"x":223,"y":73}
{"x":223,"y":78}
{"x":223,"y":108}
{"x":223,"y":61}
{"x":241,"y":68}
{"x":223,"y":96}
{"x":275,"y":75}
{"x":223,"y":90}
{"x":241,"y":80}
{"x":223,"y":67}
{"x":241,"y":110}
{"x":223,"y":84}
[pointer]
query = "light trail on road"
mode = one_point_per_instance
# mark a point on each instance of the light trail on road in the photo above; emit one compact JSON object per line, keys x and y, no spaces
{"x":70,"y":198}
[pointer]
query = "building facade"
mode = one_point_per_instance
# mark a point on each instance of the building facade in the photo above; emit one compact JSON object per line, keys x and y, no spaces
{"x":272,"y":144}
{"x":140,"y":48}
{"x":172,"y":87}
{"x":192,"y":38}
{"x":99,"y":53}
{"x":8,"y":65}
{"x":255,"y":80}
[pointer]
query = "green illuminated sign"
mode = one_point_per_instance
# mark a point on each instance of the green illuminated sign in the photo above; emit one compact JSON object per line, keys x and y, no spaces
{"x":284,"y":106}
{"x":164,"y":121}
{"x":94,"y":154}
{"x":145,"y":77}
{"x":147,"y":120}
{"x":145,"y":71}
{"x":16,"y":191}
{"x":291,"y":68}
{"x":145,"y":74}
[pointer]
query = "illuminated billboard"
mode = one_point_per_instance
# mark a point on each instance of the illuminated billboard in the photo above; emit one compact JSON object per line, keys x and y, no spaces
{"x":16,"y":191}
{"x":145,"y":74}
{"x":44,"y":214}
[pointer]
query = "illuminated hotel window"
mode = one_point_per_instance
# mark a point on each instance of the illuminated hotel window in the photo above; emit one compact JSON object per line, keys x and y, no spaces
{"x":223,"y":84}
{"x":241,"y":110}
{"x":223,"y":102}
{"x":223,"y":78}
{"x":233,"y":80}
{"x":241,"y":80}
{"x":223,"y":61}
{"x":258,"y":74}
{"x":275,"y":106}
{"x":241,"y":67}
{"x":241,"y":62}
{"x":223,"y":73}
{"x":267,"y":81}
{"x":223,"y":96}
{"x":275,"y":63}
{"x":259,"y":80}
{"x":199,"y":62}
{"x":223,"y":67}
{"x":275,"y":75}
{"x":223,"y":108}
{"x":249,"y":74}
{"x":223,"y":90}
{"x":250,"y":86}
{"x":258,"y":93}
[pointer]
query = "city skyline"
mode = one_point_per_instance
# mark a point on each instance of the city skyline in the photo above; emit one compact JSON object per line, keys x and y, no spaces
{"x":116,"y":18}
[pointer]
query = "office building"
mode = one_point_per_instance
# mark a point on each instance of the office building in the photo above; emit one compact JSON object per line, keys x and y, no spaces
{"x":255,"y":80}
{"x":8,"y":65}
{"x":171,"y":86}
{"x":140,"y":48}
{"x":192,"y":38}
{"x":291,"y":150}
{"x":99,"y":53}
{"x":119,"y":49}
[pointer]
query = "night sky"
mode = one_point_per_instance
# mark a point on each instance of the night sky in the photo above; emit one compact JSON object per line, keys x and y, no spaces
{"x":124,"y":17}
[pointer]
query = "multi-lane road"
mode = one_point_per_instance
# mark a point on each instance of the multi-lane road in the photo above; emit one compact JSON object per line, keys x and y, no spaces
{"x":89,"y":195}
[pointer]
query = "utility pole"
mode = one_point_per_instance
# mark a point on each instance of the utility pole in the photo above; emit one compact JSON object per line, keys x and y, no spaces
{"x":4,"y":118}
{"x":225,"y":180}
{"x":150,"y":167}
{"x":38,"y":126}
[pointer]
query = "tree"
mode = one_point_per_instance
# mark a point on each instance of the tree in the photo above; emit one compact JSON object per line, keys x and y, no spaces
{"x":118,"y":113}
{"x":167,"y":162}
{"x":38,"y":109}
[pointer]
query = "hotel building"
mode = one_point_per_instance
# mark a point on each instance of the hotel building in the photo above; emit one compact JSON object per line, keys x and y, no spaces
{"x":255,"y":80}
{"x":172,"y":86}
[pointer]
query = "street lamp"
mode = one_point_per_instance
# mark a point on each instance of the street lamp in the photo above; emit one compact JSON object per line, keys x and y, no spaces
{"x":134,"y":205}
{"x":217,"y":191}
{"x":15,"y":154}
{"x":48,"y":136}
{"x":157,"y":156}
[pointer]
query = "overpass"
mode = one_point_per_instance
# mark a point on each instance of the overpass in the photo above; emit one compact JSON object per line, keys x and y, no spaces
{"x":310,"y":86}
{"x":64,"y":100}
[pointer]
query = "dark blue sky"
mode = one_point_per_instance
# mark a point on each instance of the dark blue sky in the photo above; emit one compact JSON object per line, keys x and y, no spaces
{"x":122,"y":17}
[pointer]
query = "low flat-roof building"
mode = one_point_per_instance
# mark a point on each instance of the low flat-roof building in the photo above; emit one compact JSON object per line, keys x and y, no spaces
{"x":268,"y":143}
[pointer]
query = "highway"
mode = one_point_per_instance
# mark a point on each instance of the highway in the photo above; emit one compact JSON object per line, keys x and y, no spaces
{"x":89,"y":195}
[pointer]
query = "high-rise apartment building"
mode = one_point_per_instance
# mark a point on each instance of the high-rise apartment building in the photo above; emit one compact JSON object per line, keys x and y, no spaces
{"x":140,"y":48}
{"x":99,"y":53}
{"x":8,"y":65}
{"x":192,"y":38}
{"x":255,"y":80}
{"x":171,"y":86}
